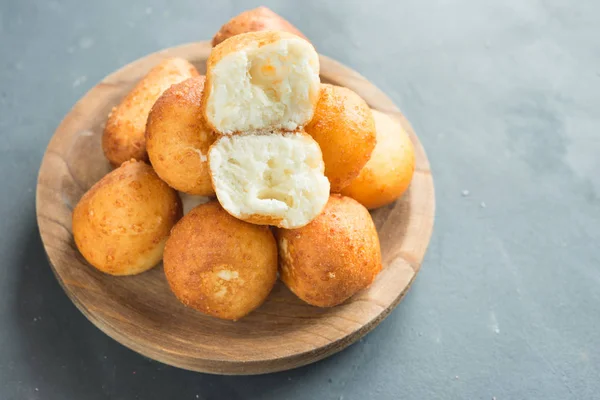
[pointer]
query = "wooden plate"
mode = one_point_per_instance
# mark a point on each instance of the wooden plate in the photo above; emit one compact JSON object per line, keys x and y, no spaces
{"x":141,"y":313}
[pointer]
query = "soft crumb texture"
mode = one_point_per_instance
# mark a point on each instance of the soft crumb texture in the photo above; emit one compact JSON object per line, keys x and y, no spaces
{"x":388,"y":173}
{"x":343,"y":126}
{"x":121,"y":224}
{"x":333,"y":257}
{"x":258,"y":19}
{"x":178,"y":138}
{"x":219,"y":265}
{"x":261,"y":81}
{"x":274,"y":179}
{"x":124,"y":134}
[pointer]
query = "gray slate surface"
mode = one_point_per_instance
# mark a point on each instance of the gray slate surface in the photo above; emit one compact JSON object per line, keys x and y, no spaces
{"x":505,"y":97}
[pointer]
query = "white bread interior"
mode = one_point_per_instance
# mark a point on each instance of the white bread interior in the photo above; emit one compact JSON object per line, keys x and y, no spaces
{"x":271,"y":87}
{"x":274,"y":179}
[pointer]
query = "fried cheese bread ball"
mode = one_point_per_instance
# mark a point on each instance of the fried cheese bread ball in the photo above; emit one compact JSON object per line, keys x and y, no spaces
{"x":388,"y":173}
{"x":124,"y":133}
{"x":333,"y":257}
{"x":178,"y":138}
{"x":122,"y":223}
{"x":219,"y":265}
{"x":258,"y":19}
{"x":261,"y":81}
{"x":269,"y":179}
{"x":343,"y":126}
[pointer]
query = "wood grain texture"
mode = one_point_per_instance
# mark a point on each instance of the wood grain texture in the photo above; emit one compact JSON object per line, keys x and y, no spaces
{"x":141,"y":313}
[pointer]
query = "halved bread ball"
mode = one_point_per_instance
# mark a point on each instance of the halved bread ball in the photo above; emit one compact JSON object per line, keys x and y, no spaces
{"x":388,"y":173}
{"x":258,"y":19}
{"x":178,"y":138}
{"x":343,"y":126}
{"x":270,"y":179}
{"x":122,"y":223}
{"x":124,"y":134}
{"x":333,"y":257}
{"x":219,"y":265}
{"x":261,"y":81}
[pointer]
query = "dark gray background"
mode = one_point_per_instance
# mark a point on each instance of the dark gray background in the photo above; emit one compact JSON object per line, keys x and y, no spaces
{"x":505,"y":96}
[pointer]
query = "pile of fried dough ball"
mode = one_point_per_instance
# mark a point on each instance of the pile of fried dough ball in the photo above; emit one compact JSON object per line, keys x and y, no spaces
{"x":291,"y":165}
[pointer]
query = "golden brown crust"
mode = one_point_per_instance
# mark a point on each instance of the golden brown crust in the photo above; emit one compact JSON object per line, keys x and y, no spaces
{"x":343,"y":126}
{"x":388,"y":173}
{"x":231,"y":45}
{"x":219,"y":265}
{"x":333,"y":257}
{"x":258,"y":19}
{"x":178,"y":138}
{"x":124,"y":133}
{"x":121,"y":224}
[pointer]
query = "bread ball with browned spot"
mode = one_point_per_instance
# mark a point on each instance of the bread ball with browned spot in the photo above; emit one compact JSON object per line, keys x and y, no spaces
{"x":220,"y":265}
{"x":336,"y":255}
{"x":122,"y":223}
{"x":124,"y":134}
{"x":257,"y":19}
{"x":178,"y":138}
{"x":345,"y":130}
{"x":388,"y":173}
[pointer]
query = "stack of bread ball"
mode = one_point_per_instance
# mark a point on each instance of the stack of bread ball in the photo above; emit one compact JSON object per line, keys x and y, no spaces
{"x":294,"y":165}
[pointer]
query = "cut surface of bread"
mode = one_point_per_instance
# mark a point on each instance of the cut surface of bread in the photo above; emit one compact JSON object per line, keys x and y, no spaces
{"x":261,"y":81}
{"x":269,"y":179}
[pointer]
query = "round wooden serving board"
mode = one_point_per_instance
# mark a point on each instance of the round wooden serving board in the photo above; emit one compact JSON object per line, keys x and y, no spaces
{"x":140,"y":311}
